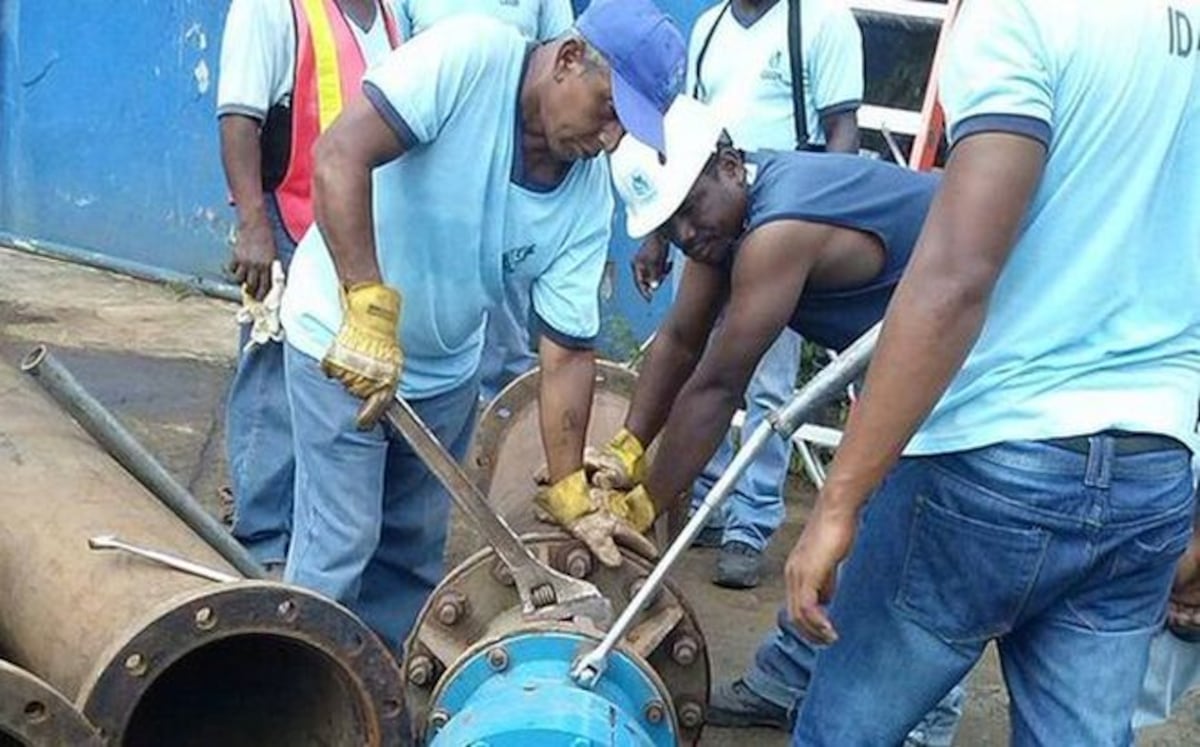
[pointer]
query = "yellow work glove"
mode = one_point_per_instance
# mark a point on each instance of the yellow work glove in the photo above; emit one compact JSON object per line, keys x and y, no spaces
{"x":635,"y":507}
{"x":366,"y":356}
{"x":586,"y":513}
{"x":621,"y":465}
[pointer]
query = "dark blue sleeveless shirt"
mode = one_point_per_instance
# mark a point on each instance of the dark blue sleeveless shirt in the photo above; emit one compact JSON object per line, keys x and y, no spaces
{"x":882,"y":199}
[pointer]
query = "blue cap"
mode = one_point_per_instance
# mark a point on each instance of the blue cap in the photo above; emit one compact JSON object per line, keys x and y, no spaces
{"x":647,"y":56}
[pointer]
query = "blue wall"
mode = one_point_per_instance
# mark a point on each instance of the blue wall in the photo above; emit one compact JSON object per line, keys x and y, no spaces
{"x":109,"y":138}
{"x":108,"y":141}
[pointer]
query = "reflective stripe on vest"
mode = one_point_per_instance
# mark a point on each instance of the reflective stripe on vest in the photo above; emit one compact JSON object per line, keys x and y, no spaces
{"x":329,"y":72}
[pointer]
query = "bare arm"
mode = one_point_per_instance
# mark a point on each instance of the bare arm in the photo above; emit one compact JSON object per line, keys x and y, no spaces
{"x":676,"y":348}
{"x":565,"y":403}
{"x":939,"y":307}
{"x":841,"y":132}
{"x":357,"y":141}
{"x":768,"y":278}
{"x":241,"y":156}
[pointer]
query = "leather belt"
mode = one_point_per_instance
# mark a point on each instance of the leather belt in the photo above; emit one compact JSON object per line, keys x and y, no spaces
{"x":1124,"y":444}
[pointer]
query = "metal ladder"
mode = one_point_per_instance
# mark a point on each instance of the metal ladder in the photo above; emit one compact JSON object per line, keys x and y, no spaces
{"x":928,"y":124}
{"x":927,"y":127}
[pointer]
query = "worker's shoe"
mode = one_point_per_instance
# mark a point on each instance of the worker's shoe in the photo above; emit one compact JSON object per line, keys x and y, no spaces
{"x":709,"y":537}
{"x":738,"y":566}
{"x":733,"y":705}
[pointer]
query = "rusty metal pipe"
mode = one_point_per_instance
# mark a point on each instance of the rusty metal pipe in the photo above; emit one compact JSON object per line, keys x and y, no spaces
{"x":116,"y":439}
{"x":151,"y":655}
{"x":33,"y":714}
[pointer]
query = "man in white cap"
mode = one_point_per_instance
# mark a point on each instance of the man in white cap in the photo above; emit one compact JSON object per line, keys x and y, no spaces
{"x":775,"y":239}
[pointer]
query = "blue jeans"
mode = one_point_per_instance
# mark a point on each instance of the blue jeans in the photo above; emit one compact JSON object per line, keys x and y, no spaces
{"x":754,"y":509}
{"x":1064,"y":559}
{"x":1173,"y":672}
{"x":258,"y":437}
{"x":370,"y":520}
{"x":506,"y":351}
{"x":783,"y":668}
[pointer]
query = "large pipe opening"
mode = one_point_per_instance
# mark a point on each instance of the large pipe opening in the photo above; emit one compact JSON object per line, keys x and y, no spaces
{"x":249,"y":691}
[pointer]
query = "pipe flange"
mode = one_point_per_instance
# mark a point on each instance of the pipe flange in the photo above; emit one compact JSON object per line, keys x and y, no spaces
{"x":37,"y":715}
{"x":667,"y":636}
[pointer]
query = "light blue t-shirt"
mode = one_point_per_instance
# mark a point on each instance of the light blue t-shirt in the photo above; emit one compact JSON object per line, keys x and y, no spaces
{"x":450,"y":213}
{"x":536,"y":19}
{"x":745,"y":70}
{"x":1094,"y":322}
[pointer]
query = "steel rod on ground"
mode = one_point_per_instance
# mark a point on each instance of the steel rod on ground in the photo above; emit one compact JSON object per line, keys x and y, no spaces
{"x":116,"y":439}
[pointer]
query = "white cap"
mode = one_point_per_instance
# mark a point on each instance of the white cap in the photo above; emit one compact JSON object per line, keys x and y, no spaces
{"x":654,"y":188}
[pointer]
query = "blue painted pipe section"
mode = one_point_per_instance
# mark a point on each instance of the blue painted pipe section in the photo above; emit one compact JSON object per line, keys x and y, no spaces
{"x":519,"y":693}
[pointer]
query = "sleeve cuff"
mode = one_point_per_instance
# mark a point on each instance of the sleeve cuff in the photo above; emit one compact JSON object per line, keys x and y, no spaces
{"x":843,"y":107}
{"x":380,"y":101}
{"x":541,"y":328}
{"x":1016,"y":124}
{"x":242,"y":110}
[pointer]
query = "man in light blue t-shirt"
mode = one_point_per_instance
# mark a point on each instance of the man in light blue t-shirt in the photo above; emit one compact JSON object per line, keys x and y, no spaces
{"x":474,"y":158}
{"x":506,"y":349}
{"x":1039,"y":369}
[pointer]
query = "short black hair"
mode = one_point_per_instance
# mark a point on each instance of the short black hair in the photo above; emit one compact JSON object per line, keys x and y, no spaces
{"x":724,"y":146}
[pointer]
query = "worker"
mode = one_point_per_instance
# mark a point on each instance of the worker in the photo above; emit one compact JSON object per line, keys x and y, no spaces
{"x":472,"y":156}
{"x":742,"y":61}
{"x":270,"y":113}
{"x":773,"y":239}
{"x":1039,"y":370}
{"x":507,"y":352}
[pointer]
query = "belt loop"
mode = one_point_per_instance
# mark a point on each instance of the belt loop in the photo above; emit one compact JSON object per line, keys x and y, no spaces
{"x":1101,"y":447}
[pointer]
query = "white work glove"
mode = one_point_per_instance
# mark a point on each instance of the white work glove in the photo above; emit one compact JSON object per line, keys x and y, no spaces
{"x":263,"y":316}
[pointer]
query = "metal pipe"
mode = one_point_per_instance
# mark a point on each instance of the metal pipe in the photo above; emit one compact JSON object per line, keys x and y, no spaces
{"x":108,"y":431}
{"x":823,"y":388}
{"x":139,"y":270}
{"x":149,"y":655}
{"x":33,"y":714}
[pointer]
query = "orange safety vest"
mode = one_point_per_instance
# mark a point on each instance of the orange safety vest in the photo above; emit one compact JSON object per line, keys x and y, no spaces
{"x":329,"y":71}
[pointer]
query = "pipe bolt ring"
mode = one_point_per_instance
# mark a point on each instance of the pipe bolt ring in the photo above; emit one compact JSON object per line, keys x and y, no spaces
{"x":135,"y":664}
{"x":684,"y":650}
{"x":206,"y":619}
{"x":438,"y":719}
{"x":36,"y":712}
{"x":497,"y":659}
{"x":691,"y":714}
{"x":287,"y":610}
{"x":655,"y":712}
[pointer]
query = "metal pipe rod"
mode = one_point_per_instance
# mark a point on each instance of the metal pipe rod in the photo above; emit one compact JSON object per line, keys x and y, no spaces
{"x":109,"y":263}
{"x":103,"y":426}
{"x":821,"y":389}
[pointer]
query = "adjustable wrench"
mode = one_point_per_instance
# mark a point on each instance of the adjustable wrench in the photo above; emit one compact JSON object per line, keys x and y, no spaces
{"x":545,"y":593}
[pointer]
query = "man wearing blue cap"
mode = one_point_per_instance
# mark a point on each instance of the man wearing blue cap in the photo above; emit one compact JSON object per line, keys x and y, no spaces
{"x":470,"y":163}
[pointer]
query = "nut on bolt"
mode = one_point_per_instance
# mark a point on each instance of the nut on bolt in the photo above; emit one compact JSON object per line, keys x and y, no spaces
{"x":502,"y":573}
{"x":420,"y":671}
{"x":451,"y":608}
{"x":655,"y":711}
{"x":684,"y":650}
{"x":576,"y":562}
{"x":691,"y":714}
{"x":438,"y":719}
{"x":497,"y":659}
{"x":636,"y":585}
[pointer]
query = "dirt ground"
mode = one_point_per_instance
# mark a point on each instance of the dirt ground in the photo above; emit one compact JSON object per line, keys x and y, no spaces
{"x":161,"y":359}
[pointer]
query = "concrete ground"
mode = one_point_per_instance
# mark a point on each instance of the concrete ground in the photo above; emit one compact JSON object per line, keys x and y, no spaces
{"x":161,"y":359}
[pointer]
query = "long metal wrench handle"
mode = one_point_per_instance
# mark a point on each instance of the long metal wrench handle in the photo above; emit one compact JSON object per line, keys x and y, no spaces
{"x":827,"y":385}
{"x":109,"y":542}
{"x":537,"y":585}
